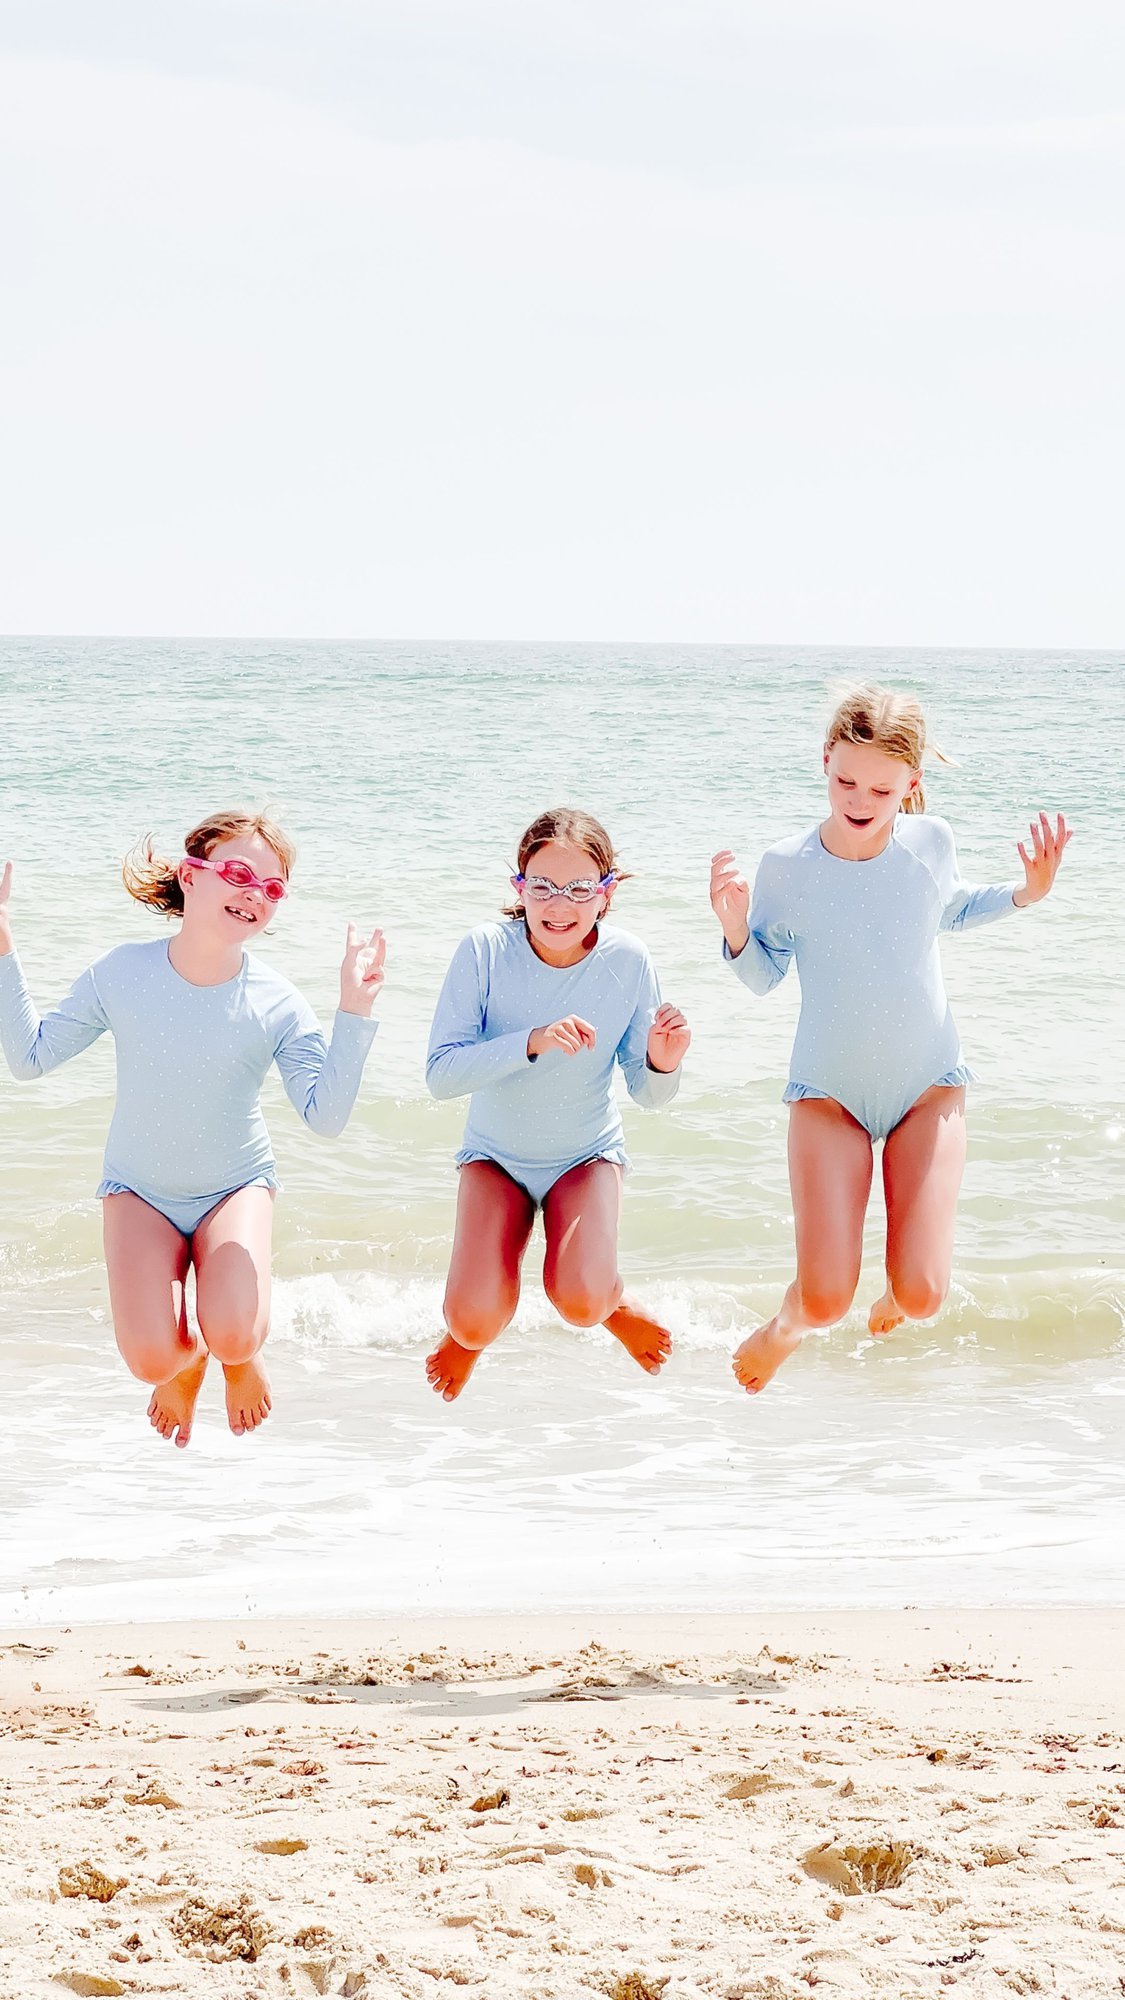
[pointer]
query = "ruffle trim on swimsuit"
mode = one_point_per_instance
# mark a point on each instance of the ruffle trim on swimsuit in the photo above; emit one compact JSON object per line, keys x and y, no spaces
{"x":187,"y":1212}
{"x":953,"y":1079}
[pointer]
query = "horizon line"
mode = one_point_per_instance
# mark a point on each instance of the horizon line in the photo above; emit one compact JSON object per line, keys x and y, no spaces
{"x":746,"y":645}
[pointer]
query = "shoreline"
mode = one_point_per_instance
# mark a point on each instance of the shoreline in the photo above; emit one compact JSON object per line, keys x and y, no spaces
{"x":721,"y":1630}
{"x":546,"y":1808}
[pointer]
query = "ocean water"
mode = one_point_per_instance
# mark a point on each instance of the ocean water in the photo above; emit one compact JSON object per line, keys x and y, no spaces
{"x":980,"y":1459}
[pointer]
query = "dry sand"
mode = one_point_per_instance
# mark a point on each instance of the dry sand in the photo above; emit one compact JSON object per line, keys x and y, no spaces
{"x":894,"y":1804}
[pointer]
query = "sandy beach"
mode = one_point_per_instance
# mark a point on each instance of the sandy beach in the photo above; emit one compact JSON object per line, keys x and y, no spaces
{"x":859,"y":1803}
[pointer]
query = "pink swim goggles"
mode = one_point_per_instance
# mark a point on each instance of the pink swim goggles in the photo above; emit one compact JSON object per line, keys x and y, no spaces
{"x":240,"y":875}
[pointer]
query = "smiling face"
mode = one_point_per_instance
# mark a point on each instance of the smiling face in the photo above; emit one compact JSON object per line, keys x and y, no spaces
{"x":218,"y":909}
{"x":866,"y":788}
{"x":562,"y":931}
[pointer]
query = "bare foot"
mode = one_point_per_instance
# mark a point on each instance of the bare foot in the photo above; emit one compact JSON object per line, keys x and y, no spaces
{"x":758,"y":1359}
{"x":645,"y":1339}
{"x":248,"y":1395}
{"x":173,"y":1403}
{"x":885,"y":1314}
{"x":449,"y":1367}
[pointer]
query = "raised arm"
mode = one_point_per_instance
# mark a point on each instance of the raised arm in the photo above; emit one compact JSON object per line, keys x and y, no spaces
{"x":653,"y":1047}
{"x":32,"y":1045}
{"x":322,"y":1078}
{"x":462,"y":1055}
{"x":756,"y":939}
{"x":964,"y":907}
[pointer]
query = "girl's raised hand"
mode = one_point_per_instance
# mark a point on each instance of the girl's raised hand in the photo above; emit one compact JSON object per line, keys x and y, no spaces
{"x":669,"y":1038}
{"x":730,"y":899}
{"x":570,"y":1034}
{"x":361,"y":973}
{"x":1040,"y":867}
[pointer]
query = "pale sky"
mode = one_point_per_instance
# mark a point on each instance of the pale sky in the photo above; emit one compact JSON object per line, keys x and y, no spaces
{"x":793,"y":321}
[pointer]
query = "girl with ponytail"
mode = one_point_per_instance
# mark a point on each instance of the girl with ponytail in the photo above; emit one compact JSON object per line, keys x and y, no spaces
{"x":189,"y":1177}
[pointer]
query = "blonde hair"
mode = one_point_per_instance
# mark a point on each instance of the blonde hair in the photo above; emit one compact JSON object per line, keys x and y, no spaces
{"x":156,"y":882}
{"x":892,"y":723}
{"x":573,"y":829}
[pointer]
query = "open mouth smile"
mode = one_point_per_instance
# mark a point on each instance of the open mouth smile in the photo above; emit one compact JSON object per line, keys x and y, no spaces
{"x":241,"y":916}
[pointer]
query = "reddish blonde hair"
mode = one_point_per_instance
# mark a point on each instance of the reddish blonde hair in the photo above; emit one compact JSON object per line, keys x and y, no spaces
{"x":892,"y":723}
{"x":573,"y":829}
{"x":156,"y":882}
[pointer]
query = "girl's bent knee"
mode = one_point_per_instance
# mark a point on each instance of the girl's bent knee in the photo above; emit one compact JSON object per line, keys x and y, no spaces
{"x":823,"y":1305}
{"x":153,"y":1365}
{"x":919,"y":1297}
{"x":473,"y":1326}
{"x":232,"y":1342}
{"x":583,"y":1305}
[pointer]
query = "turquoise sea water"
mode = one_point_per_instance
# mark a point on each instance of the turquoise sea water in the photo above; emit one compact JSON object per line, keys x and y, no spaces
{"x":980,"y":1459}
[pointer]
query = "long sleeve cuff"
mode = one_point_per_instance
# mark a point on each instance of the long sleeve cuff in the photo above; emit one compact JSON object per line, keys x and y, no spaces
{"x":754,"y":965}
{"x":654,"y":1088}
{"x":358,"y":1029}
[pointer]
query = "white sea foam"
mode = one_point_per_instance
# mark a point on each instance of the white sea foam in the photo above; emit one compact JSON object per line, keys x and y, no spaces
{"x":370,"y":1311}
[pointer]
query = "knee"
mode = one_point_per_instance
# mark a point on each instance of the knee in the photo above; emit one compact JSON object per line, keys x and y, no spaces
{"x":824,"y":1302}
{"x":152,"y":1361}
{"x":582,"y":1301}
{"x":919,"y":1296}
{"x":232,"y":1339}
{"x":475,"y":1322}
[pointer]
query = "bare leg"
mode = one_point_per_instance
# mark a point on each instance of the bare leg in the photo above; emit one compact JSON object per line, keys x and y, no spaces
{"x":581,"y":1216}
{"x":147,"y":1261}
{"x":923,"y":1161}
{"x":231,"y":1251}
{"x":494,"y":1218}
{"x":830,"y":1165}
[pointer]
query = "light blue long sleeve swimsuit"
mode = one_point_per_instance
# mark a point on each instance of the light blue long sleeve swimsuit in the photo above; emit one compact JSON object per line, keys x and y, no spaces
{"x":538,"y":1117}
{"x":875,"y":1028}
{"x":187,"y":1128}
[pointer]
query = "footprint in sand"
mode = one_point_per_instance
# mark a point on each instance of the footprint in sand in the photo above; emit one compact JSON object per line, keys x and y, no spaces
{"x":155,"y":1795}
{"x":84,"y":1879}
{"x":221,"y":1930}
{"x":88,"y":1982}
{"x":858,"y":1870}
